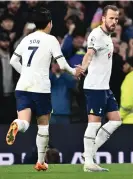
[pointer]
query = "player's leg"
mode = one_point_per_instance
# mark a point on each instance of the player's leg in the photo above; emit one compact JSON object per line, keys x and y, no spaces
{"x":24,"y":116}
{"x":43,"y":110}
{"x":94,"y":101}
{"x":114,"y":122}
{"x":42,"y":140}
{"x":94,"y":123}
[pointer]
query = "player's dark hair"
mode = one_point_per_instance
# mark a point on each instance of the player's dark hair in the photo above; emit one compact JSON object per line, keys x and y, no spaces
{"x":106,"y":8}
{"x":41,"y":17}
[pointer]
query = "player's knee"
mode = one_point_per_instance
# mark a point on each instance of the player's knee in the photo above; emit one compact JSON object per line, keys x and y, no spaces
{"x":43,"y":120}
{"x":119,"y":122}
{"x":25,"y":114}
{"x":94,"y":118}
{"x":43,"y":130}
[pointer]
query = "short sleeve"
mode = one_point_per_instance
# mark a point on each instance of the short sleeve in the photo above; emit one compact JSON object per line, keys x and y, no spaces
{"x":18,"y":50}
{"x":56,"y":49}
{"x":93,"y":41}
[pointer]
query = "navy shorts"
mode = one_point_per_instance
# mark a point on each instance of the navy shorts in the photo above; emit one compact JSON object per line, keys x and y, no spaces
{"x":100,"y":102}
{"x":40,"y":103}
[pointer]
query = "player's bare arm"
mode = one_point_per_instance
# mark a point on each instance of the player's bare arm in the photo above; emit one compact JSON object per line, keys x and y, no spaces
{"x":87,"y":58}
{"x":65,"y":66}
{"x":58,"y":56}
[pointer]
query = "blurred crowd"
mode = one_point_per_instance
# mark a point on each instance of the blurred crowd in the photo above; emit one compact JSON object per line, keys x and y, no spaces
{"x":72,"y":23}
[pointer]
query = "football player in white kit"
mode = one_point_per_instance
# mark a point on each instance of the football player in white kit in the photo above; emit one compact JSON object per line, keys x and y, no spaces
{"x":100,"y":100}
{"x":33,"y":88}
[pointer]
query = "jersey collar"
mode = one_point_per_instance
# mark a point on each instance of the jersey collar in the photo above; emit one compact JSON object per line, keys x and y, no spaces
{"x":104,"y":31}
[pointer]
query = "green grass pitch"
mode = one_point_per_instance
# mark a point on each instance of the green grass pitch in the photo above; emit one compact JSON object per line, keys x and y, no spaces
{"x":63,"y":171}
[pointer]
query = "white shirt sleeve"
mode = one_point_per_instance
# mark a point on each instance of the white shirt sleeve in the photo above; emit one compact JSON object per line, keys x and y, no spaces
{"x":58,"y":56}
{"x":56,"y":49}
{"x":16,"y":57}
{"x":94,"y":41}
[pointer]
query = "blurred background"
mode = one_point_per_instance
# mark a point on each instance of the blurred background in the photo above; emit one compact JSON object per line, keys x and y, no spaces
{"x":72,"y":23}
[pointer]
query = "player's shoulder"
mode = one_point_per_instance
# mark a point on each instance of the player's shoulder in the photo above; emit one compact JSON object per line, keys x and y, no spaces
{"x":23,"y":41}
{"x":52,"y":37}
{"x":53,"y":40}
{"x":33,"y":34}
{"x":96,"y":32}
{"x":27,"y":37}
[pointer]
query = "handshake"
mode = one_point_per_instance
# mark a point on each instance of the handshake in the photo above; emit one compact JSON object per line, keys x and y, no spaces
{"x":79,"y":70}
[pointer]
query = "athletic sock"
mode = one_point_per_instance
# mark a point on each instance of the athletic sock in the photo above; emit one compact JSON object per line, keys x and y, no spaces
{"x":42,"y":142}
{"x":104,"y":133}
{"x":89,"y":138}
{"x":23,"y":125}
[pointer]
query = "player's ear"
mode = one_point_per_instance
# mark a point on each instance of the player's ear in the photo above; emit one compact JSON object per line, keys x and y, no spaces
{"x":49,"y":25}
{"x":103,"y":18}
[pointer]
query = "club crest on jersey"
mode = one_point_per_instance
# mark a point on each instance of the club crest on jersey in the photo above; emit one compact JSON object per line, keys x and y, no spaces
{"x":109,"y":55}
{"x":93,"y":40}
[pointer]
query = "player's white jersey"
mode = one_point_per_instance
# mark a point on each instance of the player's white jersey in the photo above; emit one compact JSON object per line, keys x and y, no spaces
{"x":36,"y":51}
{"x":99,"y":70}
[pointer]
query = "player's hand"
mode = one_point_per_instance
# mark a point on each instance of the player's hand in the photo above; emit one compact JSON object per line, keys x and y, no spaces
{"x":79,"y":70}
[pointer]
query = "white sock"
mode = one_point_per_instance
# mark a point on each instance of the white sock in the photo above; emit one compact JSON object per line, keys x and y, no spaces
{"x":23,"y":125}
{"x":42,"y":142}
{"x":104,"y":133}
{"x":89,"y":138}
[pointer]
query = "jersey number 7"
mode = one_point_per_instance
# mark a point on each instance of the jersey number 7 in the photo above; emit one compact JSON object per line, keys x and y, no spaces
{"x":34,"y":49}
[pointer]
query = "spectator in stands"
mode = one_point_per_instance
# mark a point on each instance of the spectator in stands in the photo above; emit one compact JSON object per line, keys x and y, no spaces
{"x":29,"y":7}
{"x":71,"y":45}
{"x":123,"y":50}
{"x":61,"y":85}
{"x":73,"y":50}
{"x":75,"y":8}
{"x":124,"y":20}
{"x":6,"y":69}
{"x":130,"y":49}
{"x":6,"y":78}
{"x":117,"y":75}
{"x":97,"y":17}
{"x":28,"y":28}
{"x":7,"y":24}
{"x":126,"y":106}
{"x":52,"y":156}
{"x":32,"y":4}
{"x":118,"y":32}
{"x":2,"y":7}
{"x":126,"y":24}
{"x":127,"y":6}
{"x":13,"y":9}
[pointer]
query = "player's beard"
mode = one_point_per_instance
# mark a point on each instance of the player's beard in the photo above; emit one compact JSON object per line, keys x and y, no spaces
{"x":109,"y":29}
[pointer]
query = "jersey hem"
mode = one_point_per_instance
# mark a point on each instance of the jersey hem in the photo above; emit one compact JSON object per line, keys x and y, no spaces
{"x":33,"y":91}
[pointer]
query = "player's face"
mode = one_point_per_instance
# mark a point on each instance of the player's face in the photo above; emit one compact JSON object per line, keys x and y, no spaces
{"x":110,"y":20}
